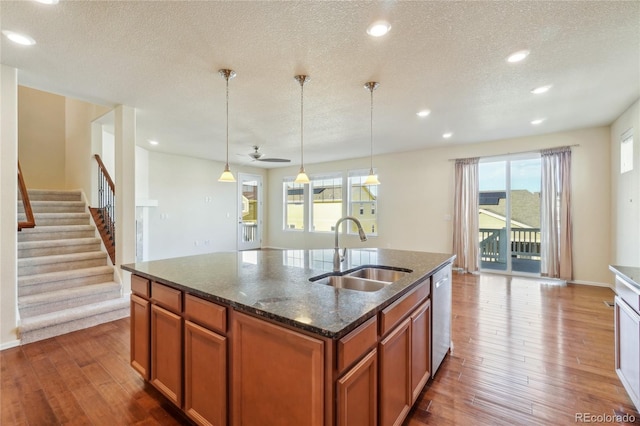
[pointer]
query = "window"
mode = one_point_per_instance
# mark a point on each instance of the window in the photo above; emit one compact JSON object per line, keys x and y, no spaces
{"x":626,"y":151}
{"x":293,"y":205}
{"x":363,"y":201}
{"x":326,"y":196}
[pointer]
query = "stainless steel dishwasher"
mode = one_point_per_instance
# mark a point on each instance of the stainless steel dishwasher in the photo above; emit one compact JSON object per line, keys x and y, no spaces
{"x":440,"y":316}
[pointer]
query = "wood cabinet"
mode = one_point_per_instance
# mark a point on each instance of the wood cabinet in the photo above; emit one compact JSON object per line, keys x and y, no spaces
{"x":205,"y":361}
{"x":222,"y":366}
{"x":420,"y":348}
{"x":405,"y":353}
{"x":357,"y":393}
{"x":278,"y":375}
{"x":140,"y":329}
{"x":205,"y":375}
{"x":395,"y":375}
{"x":166,"y":353}
{"x":140,"y":325}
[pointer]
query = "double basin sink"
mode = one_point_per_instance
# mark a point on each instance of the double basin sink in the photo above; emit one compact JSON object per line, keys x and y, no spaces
{"x":370,"y":278}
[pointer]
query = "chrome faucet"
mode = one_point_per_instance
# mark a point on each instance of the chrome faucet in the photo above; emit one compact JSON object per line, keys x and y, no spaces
{"x":337,"y":257}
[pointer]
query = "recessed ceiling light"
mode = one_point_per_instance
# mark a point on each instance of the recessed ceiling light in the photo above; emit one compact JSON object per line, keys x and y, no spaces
{"x":48,"y":1}
{"x":537,"y":121}
{"x":378,"y":28}
{"x":541,"y":89}
{"x":447,"y":135}
{"x":22,"y":39}
{"x":152,"y":142}
{"x":518,"y":56}
{"x":423,"y":113}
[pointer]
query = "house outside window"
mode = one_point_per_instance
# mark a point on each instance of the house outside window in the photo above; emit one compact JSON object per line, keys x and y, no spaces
{"x":294,"y":197}
{"x":326,"y":198}
{"x":363,"y":203}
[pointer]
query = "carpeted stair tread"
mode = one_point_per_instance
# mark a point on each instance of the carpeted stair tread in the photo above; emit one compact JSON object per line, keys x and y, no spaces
{"x":54,"y":207}
{"x":57,"y":228}
{"x":57,"y":243}
{"x":63,"y":275}
{"x":54,"y":195}
{"x":60,"y":258}
{"x":67,"y":293}
{"x":60,"y":322}
{"x":42,"y":283}
{"x":59,"y":218}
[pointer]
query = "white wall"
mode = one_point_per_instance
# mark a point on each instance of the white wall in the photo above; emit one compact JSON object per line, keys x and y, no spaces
{"x":79,"y":161}
{"x":625,"y":193}
{"x":185,"y":223}
{"x":8,"y":211}
{"x":415,"y":201}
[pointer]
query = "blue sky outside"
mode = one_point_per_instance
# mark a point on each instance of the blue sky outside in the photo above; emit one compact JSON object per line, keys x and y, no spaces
{"x":525,"y":174}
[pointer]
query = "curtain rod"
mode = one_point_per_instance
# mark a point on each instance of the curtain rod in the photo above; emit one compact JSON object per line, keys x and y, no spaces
{"x":515,"y":153}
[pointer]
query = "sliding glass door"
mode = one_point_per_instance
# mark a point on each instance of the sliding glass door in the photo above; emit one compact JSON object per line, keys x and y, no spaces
{"x":509,"y":209}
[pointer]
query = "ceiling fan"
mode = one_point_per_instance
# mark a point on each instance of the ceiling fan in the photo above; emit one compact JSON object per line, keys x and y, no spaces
{"x":259,"y":156}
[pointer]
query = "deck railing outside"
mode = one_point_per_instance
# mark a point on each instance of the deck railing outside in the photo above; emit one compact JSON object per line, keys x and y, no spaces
{"x":525,"y":244}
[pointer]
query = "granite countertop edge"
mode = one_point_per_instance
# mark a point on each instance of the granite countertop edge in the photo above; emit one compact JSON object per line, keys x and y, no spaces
{"x":423,"y":275}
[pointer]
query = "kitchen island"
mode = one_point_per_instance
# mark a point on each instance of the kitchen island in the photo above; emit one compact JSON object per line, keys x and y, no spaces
{"x":246,"y":338}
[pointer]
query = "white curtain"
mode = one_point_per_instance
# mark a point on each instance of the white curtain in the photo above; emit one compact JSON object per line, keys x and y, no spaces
{"x":465,"y":215}
{"x":555,"y":218}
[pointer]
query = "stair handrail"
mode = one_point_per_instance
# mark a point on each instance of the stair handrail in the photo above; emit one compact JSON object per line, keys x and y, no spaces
{"x":105,"y":172}
{"x":106,"y":207}
{"x":26,"y":203}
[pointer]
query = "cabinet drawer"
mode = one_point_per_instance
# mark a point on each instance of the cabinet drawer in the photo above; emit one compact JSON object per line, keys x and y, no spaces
{"x":140,"y":286}
{"x":399,"y":309}
{"x":167,"y":297}
{"x":355,"y":344}
{"x":628,"y":292}
{"x":205,"y":313}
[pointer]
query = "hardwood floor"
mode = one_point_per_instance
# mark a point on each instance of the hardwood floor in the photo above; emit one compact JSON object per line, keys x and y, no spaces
{"x":524,"y":353}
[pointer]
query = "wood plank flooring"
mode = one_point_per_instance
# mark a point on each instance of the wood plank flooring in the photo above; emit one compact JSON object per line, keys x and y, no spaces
{"x":524,"y":353}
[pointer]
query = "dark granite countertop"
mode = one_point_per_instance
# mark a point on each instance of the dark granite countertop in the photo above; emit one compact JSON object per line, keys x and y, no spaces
{"x":630,"y":273}
{"x":275,"y":283}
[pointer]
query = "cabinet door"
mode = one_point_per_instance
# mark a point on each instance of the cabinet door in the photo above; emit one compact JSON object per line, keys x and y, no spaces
{"x":357,"y":393}
{"x":420,"y":348}
{"x":140,"y":310}
{"x":395,"y":375}
{"x":278,"y":375}
{"x":205,"y":375}
{"x":627,"y":340}
{"x":166,"y":353}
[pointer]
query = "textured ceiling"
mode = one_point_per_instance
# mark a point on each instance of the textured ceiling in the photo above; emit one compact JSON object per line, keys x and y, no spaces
{"x":162,"y":58}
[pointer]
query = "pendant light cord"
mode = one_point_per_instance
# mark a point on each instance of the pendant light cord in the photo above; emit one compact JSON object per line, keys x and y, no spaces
{"x":371,"y":157}
{"x":227,"y":78}
{"x":302,"y":123}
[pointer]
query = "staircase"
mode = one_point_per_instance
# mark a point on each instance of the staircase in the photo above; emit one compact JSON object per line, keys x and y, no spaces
{"x":65,"y":282}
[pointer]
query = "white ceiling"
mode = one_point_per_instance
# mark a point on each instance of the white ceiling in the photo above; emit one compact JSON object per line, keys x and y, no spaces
{"x":162,"y":58}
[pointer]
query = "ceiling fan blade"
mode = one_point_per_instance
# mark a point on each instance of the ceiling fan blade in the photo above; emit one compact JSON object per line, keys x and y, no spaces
{"x":275,"y":160}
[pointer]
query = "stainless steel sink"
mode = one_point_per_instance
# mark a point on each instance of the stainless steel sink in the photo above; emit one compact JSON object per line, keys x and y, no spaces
{"x":378,"y":274}
{"x":365,"y":279}
{"x":353,"y":283}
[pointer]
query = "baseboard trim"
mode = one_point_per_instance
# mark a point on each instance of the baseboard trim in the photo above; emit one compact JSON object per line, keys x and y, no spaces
{"x":9,"y":345}
{"x":591,"y":283}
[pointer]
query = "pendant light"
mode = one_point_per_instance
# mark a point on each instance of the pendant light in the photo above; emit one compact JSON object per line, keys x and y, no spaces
{"x":226,"y":175}
{"x":372,"y":179}
{"x":302,"y":176}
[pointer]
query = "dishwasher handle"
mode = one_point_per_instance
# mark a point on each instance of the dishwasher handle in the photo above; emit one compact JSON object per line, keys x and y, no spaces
{"x":442,"y":281}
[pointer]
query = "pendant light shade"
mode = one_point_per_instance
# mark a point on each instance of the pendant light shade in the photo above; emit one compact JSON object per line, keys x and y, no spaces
{"x":226,"y":175}
{"x":372,"y":179}
{"x":302,"y":175}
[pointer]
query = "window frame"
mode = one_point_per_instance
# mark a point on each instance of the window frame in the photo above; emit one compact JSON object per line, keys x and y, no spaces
{"x":362,"y":175}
